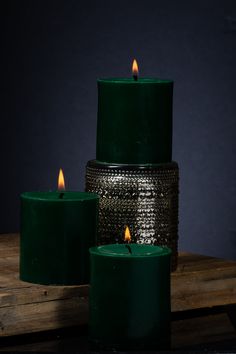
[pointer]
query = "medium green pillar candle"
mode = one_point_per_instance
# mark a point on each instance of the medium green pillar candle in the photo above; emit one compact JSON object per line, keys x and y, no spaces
{"x":134,"y":123}
{"x":130,"y":296}
{"x":57,"y":229}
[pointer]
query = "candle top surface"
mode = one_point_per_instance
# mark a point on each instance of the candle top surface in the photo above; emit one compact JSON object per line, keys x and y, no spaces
{"x":131,"y":81}
{"x":123,"y":250}
{"x":59,"y":196}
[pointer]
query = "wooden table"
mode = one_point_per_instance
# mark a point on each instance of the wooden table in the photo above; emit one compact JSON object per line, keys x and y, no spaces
{"x":203,"y":292}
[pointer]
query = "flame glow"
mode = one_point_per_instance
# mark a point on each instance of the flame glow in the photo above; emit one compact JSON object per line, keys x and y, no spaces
{"x":127,"y":235}
{"x":61,"y":181}
{"x":135,"y":68}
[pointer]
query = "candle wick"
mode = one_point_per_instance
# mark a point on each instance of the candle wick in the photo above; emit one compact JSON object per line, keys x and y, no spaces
{"x":61,"y":195}
{"x":129,"y":248}
{"x":135,"y":77}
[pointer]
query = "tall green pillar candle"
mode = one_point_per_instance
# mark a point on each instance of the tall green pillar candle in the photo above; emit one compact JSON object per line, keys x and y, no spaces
{"x":130,"y":296}
{"x":57,"y":230}
{"x":134,"y":121}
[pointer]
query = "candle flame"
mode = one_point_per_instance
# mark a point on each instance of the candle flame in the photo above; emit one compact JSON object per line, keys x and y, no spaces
{"x":135,"y":68}
{"x":61,"y":181}
{"x":127,"y":237}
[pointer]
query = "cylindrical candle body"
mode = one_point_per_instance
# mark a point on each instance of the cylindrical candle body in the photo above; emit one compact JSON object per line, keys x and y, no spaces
{"x":134,"y":121}
{"x":56,"y":233}
{"x":130,"y":296}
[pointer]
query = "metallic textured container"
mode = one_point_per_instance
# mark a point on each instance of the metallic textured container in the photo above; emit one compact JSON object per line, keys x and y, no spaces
{"x":144,"y":197}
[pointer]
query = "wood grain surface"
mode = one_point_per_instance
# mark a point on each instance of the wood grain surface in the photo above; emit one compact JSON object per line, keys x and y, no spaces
{"x":199,"y":282}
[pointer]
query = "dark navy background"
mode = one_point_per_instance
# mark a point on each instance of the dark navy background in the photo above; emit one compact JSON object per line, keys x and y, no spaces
{"x":53,"y":52}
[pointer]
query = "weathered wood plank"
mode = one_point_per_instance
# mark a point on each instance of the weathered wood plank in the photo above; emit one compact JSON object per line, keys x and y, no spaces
{"x":202,"y":281}
{"x":29,"y":295}
{"x":43,"y":316}
{"x":189,"y":262}
{"x":26,"y":307}
{"x":199,"y":282}
{"x":202,"y":330}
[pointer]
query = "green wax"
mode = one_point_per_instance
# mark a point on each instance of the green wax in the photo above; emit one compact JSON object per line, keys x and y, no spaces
{"x":134,"y":123}
{"x":130,"y":296}
{"x":57,"y":229}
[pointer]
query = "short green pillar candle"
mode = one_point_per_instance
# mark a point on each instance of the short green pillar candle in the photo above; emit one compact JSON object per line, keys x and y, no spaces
{"x":130,"y":296}
{"x":134,"y":123}
{"x":57,"y":229}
